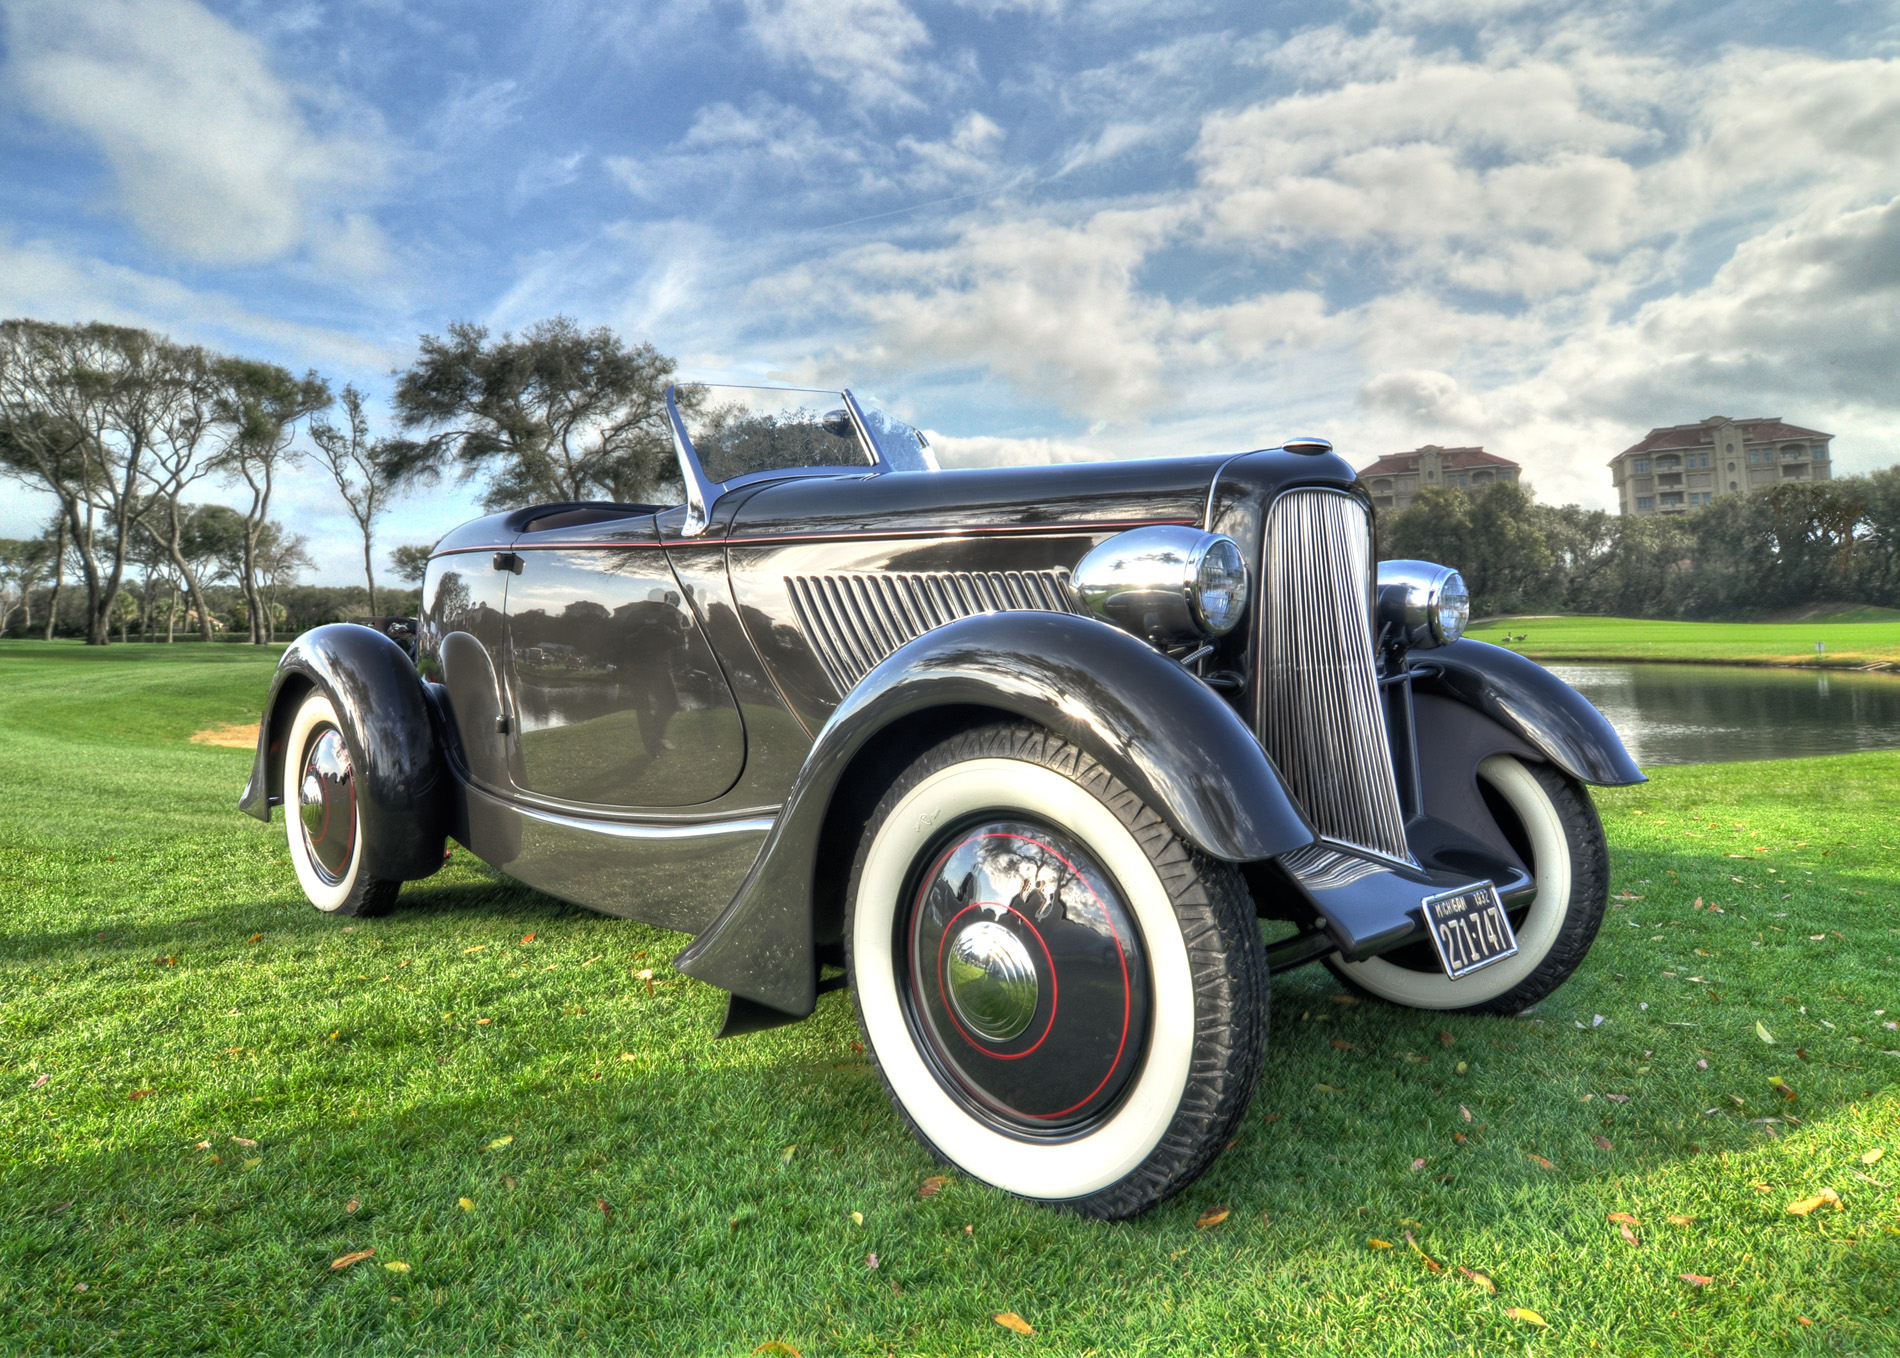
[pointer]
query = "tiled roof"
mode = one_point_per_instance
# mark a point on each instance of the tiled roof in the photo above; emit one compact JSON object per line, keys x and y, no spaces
{"x":1763,"y":429}
{"x":1452,"y":459}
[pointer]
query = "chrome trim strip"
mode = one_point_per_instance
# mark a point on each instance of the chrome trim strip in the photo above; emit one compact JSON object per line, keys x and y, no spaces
{"x":623,"y":830}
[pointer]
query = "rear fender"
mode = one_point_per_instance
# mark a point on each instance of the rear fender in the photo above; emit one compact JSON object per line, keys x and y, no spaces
{"x":402,"y":780}
{"x":1169,"y":738}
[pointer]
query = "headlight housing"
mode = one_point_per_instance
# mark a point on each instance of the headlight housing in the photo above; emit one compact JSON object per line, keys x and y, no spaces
{"x":1166,"y":582}
{"x":1421,"y":604}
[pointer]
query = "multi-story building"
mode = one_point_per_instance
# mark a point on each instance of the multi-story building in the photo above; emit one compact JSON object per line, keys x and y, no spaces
{"x":1675,"y":469}
{"x":1396,"y":479}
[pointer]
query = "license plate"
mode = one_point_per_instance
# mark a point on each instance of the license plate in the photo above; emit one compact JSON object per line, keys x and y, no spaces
{"x":1469,"y":928}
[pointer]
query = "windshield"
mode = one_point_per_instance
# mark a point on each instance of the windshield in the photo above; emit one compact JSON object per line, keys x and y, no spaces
{"x":738,"y":431}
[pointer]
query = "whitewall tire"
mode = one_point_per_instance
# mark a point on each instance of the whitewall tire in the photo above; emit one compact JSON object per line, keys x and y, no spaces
{"x":1062,"y":998}
{"x":322,"y":820}
{"x":1553,"y":824}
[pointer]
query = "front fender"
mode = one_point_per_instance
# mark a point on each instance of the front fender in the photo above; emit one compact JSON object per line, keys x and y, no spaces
{"x":1531,"y":702}
{"x":1158,"y":729}
{"x":402,"y":780}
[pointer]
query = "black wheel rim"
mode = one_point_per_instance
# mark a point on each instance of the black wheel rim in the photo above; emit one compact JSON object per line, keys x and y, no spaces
{"x":1023,"y":978}
{"x":326,"y":805}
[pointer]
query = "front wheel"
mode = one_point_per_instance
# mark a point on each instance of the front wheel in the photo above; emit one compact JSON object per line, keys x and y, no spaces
{"x":1062,"y":998}
{"x":1550,"y":820}
{"x":322,"y":818}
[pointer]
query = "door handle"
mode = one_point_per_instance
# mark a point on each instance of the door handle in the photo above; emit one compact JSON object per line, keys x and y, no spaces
{"x":508,"y":561}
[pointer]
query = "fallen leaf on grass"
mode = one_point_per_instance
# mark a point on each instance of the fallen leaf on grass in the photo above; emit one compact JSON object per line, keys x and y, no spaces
{"x":628,"y":1056}
{"x":1803,"y":1206}
{"x":785,"y":1156}
{"x":1009,"y":1320}
{"x":466,"y":1204}
{"x":477,"y":948}
{"x":44,"y":1078}
{"x":1481,"y":1278}
{"x":396,"y":1266}
{"x":527,"y":938}
{"x":1417,"y":1165}
{"x":1213,"y":1216}
{"x":1445,"y":1038}
{"x":498,"y":1143}
{"x":1623,"y":1219}
{"x":202,"y":1146}
{"x":1764,"y":1034}
{"x":1872,"y":1156}
{"x":349,"y":1208}
{"x":1464,"y":1112}
{"x":244,"y":1141}
{"x":253,"y":1163}
{"x":1538,"y":1160}
{"x":1378,"y":1244}
{"x":139,"y":1094}
{"x":253,"y":938}
{"x":1696,"y":1279}
{"x":932,"y":1186}
{"x":483,"y":1023}
{"x":1430,"y":1262}
{"x":1344,"y":1045}
{"x":1528,"y":1316}
{"x":857,"y":1218}
{"x":1345,"y":999}
{"x":1603,"y":1142}
{"x":870,"y":1261}
{"x":606,"y":1208}
{"x":1328,"y":1089}
{"x":1617,"y":1098}
{"x":1628,"y":1235}
{"x":358,"y":1257}
{"x":778,"y":1346}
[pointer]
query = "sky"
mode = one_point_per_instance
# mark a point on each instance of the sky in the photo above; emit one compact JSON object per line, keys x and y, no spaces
{"x":1040,"y":229}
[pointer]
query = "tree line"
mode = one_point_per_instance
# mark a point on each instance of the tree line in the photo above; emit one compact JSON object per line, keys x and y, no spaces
{"x":127,"y":430}
{"x":1787,"y":546}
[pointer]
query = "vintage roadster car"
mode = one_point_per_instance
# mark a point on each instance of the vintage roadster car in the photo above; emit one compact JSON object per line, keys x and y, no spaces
{"x":1023,"y":757}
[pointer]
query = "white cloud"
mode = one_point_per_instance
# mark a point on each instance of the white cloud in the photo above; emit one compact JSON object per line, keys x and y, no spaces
{"x":865,"y":46}
{"x":216,"y":158}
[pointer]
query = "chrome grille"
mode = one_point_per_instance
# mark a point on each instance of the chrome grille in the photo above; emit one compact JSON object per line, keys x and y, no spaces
{"x":1321,"y":714}
{"x":854,"y":619}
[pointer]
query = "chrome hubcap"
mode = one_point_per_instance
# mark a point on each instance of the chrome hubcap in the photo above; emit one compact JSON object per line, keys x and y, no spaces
{"x":326,"y":806}
{"x":991,"y":981}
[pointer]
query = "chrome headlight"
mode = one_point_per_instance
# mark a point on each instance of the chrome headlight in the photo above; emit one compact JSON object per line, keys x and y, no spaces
{"x":1166,"y":582}
{"x":1421,"y":604}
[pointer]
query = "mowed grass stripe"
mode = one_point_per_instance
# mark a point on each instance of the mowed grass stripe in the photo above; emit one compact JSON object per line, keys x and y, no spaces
{"x":360,"y":1077}
{"x":1566,"y":638}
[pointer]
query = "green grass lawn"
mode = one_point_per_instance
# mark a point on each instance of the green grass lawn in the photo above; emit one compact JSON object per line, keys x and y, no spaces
{"x":208,"y":1093}
{"x":1553,"y":637}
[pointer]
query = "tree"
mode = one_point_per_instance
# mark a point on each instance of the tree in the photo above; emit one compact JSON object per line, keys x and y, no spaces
{"x":80,"y":406}
{"x":558,"y":414}
{"x":278,"y":557}
{"x":361,"y":472}
{"x":410,"y":562}
{"x":261,"y":403}
{"x":190,"y":413}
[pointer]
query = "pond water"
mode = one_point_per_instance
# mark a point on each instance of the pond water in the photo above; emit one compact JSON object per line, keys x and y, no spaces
{"x":1705,"y":714}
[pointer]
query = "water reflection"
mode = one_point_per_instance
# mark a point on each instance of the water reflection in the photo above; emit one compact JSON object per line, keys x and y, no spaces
{"x":1706,"y":714}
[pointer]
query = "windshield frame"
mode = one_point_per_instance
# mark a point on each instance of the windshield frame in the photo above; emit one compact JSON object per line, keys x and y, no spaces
{"x":702,"y":492}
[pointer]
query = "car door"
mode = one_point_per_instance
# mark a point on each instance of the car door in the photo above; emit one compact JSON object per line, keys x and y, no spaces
{"x":618,"y":701}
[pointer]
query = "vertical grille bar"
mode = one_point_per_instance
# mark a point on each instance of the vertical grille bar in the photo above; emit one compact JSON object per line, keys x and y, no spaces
{"x":1321,"y":714}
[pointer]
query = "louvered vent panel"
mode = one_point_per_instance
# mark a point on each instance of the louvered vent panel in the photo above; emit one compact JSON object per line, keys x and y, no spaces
{"x":1321,"y":714}
{"x":855,"y":619}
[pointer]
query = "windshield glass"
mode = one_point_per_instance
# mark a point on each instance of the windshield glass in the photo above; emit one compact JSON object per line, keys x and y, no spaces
{"x":899,"y":444}
{"x":737,"y":431}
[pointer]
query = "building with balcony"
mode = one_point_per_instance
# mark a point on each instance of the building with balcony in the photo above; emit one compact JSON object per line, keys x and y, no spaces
{"x":1396,"y":479}
{"x":1674,"y":470}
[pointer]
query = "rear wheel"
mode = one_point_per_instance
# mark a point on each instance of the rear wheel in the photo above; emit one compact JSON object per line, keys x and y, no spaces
{"x":1062,"y":998}
{"x":1550,"y":820}
{"x":322,"y":819}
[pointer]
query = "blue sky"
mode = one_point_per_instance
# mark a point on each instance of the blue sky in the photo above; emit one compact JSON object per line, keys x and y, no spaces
{"x":1040,"y":228}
